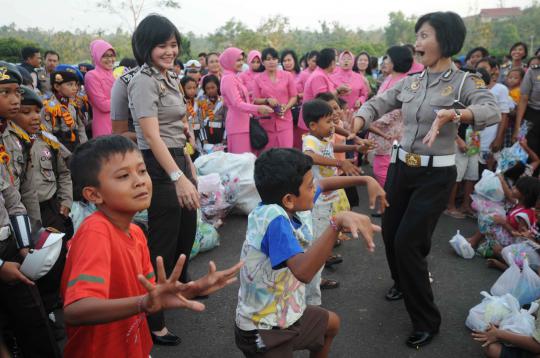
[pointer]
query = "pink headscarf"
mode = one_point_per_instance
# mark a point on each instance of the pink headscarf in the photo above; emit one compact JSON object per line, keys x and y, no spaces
{"x":253,"y":54}
{"x":346,"y":52}
{"x":98,"y":49}
{"x":228,"y":58}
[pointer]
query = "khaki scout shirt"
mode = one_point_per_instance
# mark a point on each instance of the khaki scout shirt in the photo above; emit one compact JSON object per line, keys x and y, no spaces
{"x":530,"y":86}
{"x":50,"y":173}
{"x":10,"y":199}
{"x":419,"y":101}
{"x":60,"y":125}
{"x":19,"y":164}
{"x":152,"y":94}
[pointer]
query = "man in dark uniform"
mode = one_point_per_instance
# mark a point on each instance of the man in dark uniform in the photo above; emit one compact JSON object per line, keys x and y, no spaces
{"x":31,"y":61}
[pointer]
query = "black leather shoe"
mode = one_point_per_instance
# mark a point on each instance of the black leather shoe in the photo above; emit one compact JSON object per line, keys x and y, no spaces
{"x":419,"y":339}
{"x":333,"y":260}
{"x":167,"y":340}
{"x":394,"y":294}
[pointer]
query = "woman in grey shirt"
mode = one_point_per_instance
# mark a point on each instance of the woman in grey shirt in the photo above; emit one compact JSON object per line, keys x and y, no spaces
{"x":157,"y":106}
{"x":422,"y":169}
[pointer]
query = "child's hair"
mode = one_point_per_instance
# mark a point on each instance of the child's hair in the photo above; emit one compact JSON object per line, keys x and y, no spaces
{"x":88,"y":158}
{"x":280,"y":171}
{"x":518,"y":70}
{"x":209,"y":79}
{"x":314,"y":110}
{"x":531,"y":60}
{"x":515,"y":172}
{"x":529,"y":187}
{"x":185,"y":80}
{"x":483,"y":73}
{"x":326,"y":96}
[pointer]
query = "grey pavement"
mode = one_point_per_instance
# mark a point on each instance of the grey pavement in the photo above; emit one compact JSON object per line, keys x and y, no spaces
{"x":370,"y":325}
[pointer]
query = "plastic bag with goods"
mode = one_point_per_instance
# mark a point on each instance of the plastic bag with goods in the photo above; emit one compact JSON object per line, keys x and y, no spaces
{"x":461,"y":246}
{"x":506,"y":283}
{"x":521,"y":321}
{"x":492,"y":310}
{"x":527,"y":289}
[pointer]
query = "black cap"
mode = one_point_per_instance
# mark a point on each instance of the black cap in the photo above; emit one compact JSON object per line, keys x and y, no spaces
{"x":59,"y":77}
{"x":9,"y":73}
{"x":30,"y":97}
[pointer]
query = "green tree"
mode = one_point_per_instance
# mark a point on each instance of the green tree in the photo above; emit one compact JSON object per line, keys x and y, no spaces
{"x":400,"y":30}
{"x":10,"y":48}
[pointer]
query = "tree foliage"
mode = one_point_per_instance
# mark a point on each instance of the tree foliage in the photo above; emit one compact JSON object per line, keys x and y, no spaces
{"x":275,"y":31}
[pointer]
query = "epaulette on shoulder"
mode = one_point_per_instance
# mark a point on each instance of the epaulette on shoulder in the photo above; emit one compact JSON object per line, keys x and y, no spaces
{"x":477,"y":79}
{"x":128,"y":76}
{"x":172,"y":74}
{"x":147,"y":71}
{"x":534,"y":67}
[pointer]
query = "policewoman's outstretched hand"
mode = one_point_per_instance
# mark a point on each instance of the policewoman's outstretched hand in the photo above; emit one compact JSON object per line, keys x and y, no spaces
{"x":187,"y":194}
{"x":376,"y":194}
{"x":443,"y":116}
{"x":165,"y":294}
{"x":10,"y":273}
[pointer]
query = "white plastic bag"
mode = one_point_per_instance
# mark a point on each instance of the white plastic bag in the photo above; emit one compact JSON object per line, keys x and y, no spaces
{"x":521,"y":322}
{"x":506,"y":283}
{"x":492,"y":309}
{"x":527,"y":289}
{"x":235,"y":169}
{"x":489,"y":186}
{"x":521,"y":251}
{"x":461,"y":246}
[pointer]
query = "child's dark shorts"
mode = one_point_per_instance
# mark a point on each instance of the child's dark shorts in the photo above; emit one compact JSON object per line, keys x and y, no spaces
{"x":306,"y":333}
{"x":514,"y":352}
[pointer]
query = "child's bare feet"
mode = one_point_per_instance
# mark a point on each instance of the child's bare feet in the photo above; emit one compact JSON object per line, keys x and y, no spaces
{"x":496,"y":264}
{"x":475,"y":239}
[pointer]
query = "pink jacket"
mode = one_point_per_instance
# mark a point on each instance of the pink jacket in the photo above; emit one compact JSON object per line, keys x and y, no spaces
{"x":248,"y":77}
{"x":355,"y":81}
{"x":318,"y":82}
{"x":282,"y":90}
{"x":416,"y":67}
{"x":390,"y":81}
{"x":301,"y":80}
{"x":98,"y":84}
{"x":235,"y":94}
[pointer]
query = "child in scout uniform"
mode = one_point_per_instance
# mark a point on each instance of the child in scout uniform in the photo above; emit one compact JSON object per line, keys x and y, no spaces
{"x":20,"y":304}
{"x":60,"y":114}
{"x":212,"y":113}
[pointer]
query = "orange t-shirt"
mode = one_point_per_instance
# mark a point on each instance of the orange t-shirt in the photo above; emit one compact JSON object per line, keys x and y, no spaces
{"x":103,"y":262}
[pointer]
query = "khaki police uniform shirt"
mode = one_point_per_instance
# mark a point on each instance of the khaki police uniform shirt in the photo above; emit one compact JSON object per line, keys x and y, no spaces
{"x":19,"y":165}
{"x":530,"y":86}
{"x":49,"y":171}
{"x":152,"y":94}
{"x":419,"y":100}
{"x":10,"y":199}
{"x":44,"y":82}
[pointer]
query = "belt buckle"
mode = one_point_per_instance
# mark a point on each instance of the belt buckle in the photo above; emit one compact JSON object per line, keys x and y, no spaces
{"x":413,"y":160}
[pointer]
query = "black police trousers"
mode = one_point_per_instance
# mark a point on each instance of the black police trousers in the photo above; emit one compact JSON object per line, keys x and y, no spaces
{"x":532,"y":116}
{"x":417,"y":197}
{"x":171,"y":228}
{"x":23,"y":313}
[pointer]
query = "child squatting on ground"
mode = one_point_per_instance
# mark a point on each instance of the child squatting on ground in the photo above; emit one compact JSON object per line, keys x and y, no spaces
{"x":108,"y":283}
{"x":272,"y":318}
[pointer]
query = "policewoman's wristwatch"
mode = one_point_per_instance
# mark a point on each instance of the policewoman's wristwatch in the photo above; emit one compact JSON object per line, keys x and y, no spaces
{"x":176,"y":175}
{"x":1,"y":263}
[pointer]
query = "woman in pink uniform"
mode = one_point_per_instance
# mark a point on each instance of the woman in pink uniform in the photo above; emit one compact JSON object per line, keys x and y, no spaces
{"x":255,"y":67}
{"x":320,"y":80}
{"x":277,"y":89}
{"x":212,"y":65}
{"x":98,"y":84}
{"x":236,"y":98}
{"x":344,"y":75}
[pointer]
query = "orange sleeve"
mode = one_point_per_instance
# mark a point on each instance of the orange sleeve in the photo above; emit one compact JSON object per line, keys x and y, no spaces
{"x":148,"y":269}
{"x":88,"y":265}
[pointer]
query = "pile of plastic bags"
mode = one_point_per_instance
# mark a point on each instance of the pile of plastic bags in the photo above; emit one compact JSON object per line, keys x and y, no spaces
{"x":524,"y":284}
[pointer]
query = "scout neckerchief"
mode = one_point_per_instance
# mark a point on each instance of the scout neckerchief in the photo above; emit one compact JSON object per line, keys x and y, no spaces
{"x":21,"y":134}
{"x":59,"y":108}
{"x":209,"y":110}
{"x":49,"y":138}
{"x":4,"y":156}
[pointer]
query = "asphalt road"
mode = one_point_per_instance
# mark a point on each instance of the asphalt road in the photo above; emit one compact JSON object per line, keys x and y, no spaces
{"x":370,"y":326}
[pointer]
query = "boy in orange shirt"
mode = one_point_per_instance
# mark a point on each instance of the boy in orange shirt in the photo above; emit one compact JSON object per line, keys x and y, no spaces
{"x":108,"y":283}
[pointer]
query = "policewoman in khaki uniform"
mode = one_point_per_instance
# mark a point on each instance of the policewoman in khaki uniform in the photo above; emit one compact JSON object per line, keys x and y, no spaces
{"x":422,"y":170}
{"x":157,"y":106}
{"x":21,"y":306}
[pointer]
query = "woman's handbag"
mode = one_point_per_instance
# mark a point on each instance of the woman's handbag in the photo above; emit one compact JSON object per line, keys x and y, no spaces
{"x":258,"y":137}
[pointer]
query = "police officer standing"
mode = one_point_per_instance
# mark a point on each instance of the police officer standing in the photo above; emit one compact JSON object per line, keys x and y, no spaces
{"x":422,"y":170}
{"x":529,"y":108}
{"x":52,"y":59}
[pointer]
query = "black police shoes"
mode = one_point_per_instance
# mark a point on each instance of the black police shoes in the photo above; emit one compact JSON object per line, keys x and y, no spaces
{"x":419,"y":339}
{"x":167,"y":340}
{"x":394,"y":294}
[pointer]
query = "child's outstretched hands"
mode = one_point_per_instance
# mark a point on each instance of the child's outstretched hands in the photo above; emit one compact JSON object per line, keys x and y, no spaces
{"x":376,"y":193}
{"x":349,"y":168}
{"x":214,"y":280}
{"x":354,"y":223}
{"x":166,"y":293}
{"x":487,"y":337}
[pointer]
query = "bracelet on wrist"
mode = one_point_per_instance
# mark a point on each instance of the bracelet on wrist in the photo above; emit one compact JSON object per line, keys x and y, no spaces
{"x":140,"y":305}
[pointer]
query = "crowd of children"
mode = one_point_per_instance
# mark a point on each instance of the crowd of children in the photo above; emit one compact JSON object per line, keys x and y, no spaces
{"x":102,"y":275}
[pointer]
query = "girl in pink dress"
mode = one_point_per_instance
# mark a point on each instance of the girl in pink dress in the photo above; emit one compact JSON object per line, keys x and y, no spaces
{"x":391,"y":124}
{"x":98,"y":84}
{"x":255,"y":67}
{"x":236,"y":98}
{"x":277,"y":89}
{"x":345,"y":75}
